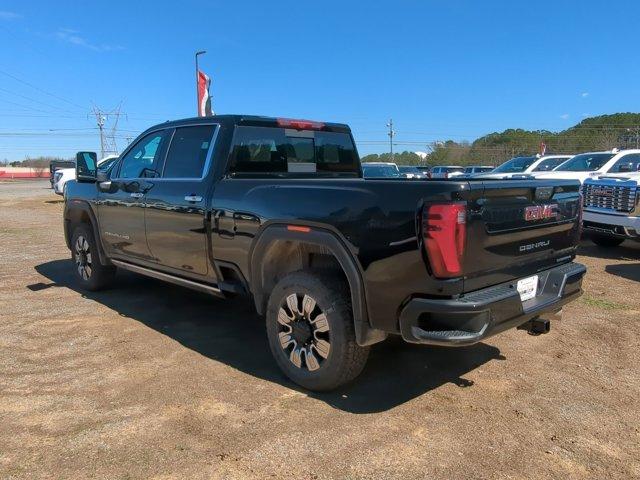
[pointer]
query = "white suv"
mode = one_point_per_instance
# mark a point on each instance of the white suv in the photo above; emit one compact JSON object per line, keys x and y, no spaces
{"x":526,"y":166}
{"x":595,"y":164}
{"x":63,"y":175}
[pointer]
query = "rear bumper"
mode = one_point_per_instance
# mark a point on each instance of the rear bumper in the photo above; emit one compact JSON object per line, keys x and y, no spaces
{"x":620,"y":226}
{"x":483,"y":313}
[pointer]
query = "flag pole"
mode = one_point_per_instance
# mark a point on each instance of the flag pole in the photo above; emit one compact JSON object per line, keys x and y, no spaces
{"x":201,"y":52}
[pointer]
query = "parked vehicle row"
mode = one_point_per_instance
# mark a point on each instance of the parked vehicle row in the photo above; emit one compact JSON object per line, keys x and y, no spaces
{"x":63,"y":175}
{"x":277,"y":210}
{"x":56,"y":165}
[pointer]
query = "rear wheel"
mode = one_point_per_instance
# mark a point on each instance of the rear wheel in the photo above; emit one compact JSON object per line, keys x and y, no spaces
{"x":88,"y":269}
{"x":310,"y":330}
{"x":604,"y":241}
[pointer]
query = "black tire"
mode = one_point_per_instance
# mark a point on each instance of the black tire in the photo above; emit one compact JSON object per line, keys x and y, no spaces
{"x":91,"y":274}
{"x":607,"y":242}
{"x":344,"y":358}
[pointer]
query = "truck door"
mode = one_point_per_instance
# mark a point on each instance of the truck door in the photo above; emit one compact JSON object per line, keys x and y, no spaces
{"x":176,"y":212}
{"x":121,"y":202}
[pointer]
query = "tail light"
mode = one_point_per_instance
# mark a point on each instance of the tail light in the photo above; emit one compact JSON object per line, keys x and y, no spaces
{"x":444,"y":234}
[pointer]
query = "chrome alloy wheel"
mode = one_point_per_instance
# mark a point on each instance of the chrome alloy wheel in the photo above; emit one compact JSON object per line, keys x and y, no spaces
{"x":83,"y":257}
{"x":304,"y":332}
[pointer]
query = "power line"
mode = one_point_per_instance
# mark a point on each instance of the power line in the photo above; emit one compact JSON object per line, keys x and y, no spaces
{"x":58,"y":97}
{"x":34,"y":100}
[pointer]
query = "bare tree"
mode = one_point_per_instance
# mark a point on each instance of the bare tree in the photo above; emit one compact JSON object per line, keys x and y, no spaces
{"x":607,"y":138}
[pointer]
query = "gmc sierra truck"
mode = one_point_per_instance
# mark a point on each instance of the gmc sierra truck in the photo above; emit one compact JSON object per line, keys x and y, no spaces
{"x":278,"y":210}
{"x":612,"y":208}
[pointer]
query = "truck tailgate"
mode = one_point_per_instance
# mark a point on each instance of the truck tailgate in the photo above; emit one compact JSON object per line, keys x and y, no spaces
{"x":518,"y":227}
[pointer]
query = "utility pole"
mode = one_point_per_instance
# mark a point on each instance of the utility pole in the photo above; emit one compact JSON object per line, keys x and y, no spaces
{"x":391,"y":135}
{"x":201,"y":52}
{"x":100,"y":120}
{"x":108,"y":144}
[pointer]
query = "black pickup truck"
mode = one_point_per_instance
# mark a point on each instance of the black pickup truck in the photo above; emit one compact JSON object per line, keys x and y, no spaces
{"x":278,"y":210}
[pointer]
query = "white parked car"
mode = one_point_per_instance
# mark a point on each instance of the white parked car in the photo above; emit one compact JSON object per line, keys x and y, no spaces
{"x":526,"y":166}
{"x":63,"y":175}
{"x":446,"y":171}
{"x":595,"y":164}
{"x":612,"y":208}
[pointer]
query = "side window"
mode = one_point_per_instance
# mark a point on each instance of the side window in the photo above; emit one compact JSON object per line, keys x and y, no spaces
{"x":628,"y":163}
{"x":188,"y":152}
{"x":142,"y":159}
{"x":284,"y":151}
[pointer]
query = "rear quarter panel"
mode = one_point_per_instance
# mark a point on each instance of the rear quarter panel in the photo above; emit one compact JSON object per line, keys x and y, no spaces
{"x":375,"y":219}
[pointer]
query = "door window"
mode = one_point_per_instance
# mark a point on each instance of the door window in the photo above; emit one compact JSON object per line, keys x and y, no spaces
{"x":628,"y":163}
{"x":142,"y":159}
{"x":188,"y":152}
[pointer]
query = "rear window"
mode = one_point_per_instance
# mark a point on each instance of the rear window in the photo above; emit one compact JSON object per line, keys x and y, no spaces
{"x":270,"y":150}
{"x":587,"y":162}
{"x":515,"y":165}
{"x":549,"y":164}
{"x":380,"y":171}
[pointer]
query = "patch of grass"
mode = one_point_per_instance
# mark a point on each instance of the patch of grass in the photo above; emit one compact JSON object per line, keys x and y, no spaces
{"x":604,"y":304}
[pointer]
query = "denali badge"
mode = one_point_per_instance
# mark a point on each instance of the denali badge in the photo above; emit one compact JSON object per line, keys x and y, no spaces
{"x":540,"y":212}
{"x":534,"y":246}
{"x":117,"y":235}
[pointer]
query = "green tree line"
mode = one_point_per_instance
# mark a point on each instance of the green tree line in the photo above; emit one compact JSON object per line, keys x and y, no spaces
{"x":604,"y":132}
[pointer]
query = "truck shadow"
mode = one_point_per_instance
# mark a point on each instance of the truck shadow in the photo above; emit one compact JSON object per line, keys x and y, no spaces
{"x":229,"y":331}
{"x":628,"y":250}
{"x":630,"y":271}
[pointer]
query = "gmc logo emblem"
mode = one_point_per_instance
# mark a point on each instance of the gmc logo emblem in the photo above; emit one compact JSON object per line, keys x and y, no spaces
{"x":540,"y":212}
{"x":603,"y":192}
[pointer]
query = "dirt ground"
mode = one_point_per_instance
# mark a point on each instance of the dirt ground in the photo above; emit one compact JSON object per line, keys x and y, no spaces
{"x":149,"y":380}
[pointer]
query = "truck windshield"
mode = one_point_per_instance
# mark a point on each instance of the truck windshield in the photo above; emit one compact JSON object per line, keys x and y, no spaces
{"x":587,"y":162}
{"x":380,"y":171}
{"x":515,"y":165}
{"x":270,"y":150}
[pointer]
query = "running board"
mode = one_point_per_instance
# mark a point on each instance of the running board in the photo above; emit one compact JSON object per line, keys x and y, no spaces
{"x":183,"y":282}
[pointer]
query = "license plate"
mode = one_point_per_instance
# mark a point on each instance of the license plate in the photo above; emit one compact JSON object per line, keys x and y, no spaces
{"x":528,"y":287}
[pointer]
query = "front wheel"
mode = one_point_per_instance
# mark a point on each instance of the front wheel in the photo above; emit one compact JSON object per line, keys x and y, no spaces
{"x":89,"y":271}
{"x":311,"y":333}
{"x":605,"y":241}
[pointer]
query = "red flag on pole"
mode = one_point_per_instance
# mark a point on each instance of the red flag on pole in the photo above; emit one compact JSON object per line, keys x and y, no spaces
{"x":204,"y":97}
{"x":543,"y":148}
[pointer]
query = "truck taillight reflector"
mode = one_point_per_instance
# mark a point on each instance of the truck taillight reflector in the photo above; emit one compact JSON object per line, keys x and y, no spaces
{"x":300,"y":124}
{"x":444,"y":234}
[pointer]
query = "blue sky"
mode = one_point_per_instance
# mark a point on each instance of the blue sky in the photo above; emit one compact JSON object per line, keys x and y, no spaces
{"x":441,"y":69}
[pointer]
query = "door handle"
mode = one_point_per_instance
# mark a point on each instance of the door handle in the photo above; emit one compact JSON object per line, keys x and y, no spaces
{"x":193,"y":198}
{"x":137,"y":195}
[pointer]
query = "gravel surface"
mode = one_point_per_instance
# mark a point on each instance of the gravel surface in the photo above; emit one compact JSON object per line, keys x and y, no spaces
{"x":149,"y":380}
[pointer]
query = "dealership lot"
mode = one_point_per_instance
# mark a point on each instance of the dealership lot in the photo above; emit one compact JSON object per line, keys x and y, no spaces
{"x":151,"y":380}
